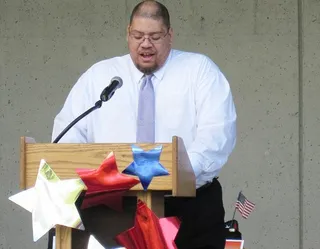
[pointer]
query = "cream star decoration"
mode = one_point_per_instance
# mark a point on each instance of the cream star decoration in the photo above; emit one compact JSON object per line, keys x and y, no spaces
{"x":51,"y":201}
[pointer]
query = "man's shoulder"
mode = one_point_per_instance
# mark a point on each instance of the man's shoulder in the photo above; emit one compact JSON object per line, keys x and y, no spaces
{"x":114,"y":62}
{"x":183,"y":54}
{"x":192,"y":59}
{"x":104,"y":70}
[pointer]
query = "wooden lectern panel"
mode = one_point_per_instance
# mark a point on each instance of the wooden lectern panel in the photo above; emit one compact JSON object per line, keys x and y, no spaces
{"x":183,"y":178}
{"x":64,"y":159}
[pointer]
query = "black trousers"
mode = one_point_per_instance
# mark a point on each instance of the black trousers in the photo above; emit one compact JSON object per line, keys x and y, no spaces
{"x":202,"y":218}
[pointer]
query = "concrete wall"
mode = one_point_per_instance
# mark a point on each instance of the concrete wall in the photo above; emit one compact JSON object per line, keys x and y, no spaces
{"x":269,"y":50}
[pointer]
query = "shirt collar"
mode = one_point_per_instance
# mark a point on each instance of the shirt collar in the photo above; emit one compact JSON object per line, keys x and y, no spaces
{"x":137,"y":75}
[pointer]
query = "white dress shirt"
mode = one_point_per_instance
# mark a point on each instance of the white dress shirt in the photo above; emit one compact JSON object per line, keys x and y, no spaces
{"x":193,"y":101}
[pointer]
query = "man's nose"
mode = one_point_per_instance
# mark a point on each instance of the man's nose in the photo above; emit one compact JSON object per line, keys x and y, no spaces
{"x":146,"y":42}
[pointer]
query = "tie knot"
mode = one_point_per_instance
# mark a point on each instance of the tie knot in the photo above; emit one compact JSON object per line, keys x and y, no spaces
{"x":148,"y":77}
{"x":147,"y":80}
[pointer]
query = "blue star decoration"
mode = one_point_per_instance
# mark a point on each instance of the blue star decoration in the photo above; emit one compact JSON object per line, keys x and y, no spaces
{"x":146,"y":165}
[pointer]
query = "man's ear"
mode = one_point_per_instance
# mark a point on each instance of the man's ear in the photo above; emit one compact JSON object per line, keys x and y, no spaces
{"x":128,"y":30}
{"x":170,"y":33}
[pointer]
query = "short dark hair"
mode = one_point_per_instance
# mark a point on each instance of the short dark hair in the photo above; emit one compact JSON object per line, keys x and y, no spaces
{"x":161,"y":12}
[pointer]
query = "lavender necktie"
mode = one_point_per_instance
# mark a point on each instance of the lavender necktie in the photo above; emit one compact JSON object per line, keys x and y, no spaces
{"x":146,"y":112}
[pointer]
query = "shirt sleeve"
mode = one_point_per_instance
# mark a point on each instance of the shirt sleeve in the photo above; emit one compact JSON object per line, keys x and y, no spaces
{"x":216,"y":121}
{"x":76,"y":103}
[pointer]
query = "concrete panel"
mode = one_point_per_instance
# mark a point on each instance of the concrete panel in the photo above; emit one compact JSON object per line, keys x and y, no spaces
{"x":257,"y":48}
{"x":311,"y":118}
{"x":274,"y":17}
{"x":311,"y":19}
{"x":211,"y":18}
{"x":265,"y":162}
{"x":46,"y":46}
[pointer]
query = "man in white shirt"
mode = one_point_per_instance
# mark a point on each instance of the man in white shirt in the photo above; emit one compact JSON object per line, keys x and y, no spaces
{"x":192,"y":99}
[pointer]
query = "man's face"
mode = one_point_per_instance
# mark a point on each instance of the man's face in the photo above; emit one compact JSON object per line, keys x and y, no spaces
{"x":149,"y":43}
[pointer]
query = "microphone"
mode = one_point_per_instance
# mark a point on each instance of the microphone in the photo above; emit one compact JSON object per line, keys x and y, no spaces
{"x":106,"y":94}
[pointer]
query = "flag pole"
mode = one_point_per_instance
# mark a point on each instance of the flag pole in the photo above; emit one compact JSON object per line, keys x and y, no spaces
{"x":234,"y":212}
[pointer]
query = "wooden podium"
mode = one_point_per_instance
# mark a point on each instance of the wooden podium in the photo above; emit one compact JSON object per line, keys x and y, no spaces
{"x":65,"y":158}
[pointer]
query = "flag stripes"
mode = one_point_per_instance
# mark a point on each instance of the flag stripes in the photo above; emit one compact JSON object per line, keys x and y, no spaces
{"x":244,"y":206}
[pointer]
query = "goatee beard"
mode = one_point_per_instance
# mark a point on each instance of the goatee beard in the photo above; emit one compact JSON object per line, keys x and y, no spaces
{"x":147,"y":70}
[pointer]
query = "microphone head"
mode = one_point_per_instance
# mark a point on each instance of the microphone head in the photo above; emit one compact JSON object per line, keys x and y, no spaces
{"x":117,"y":79}
{"x":107,"y":93}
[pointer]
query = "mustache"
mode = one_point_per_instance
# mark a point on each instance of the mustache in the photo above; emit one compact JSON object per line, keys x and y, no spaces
{"x":147,"y":51}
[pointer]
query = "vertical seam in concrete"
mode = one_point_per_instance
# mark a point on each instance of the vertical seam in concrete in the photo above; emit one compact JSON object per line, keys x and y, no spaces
{"x":255,"y":10}
{"x":301,"y":134}
{"x":126,"y":19}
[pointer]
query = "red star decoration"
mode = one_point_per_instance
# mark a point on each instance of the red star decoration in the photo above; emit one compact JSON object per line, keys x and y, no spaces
{"x":149,"y":231}
{"x":105,"y":185}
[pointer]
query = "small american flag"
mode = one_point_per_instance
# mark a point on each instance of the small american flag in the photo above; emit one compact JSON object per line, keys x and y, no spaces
{"x":244,"y":206}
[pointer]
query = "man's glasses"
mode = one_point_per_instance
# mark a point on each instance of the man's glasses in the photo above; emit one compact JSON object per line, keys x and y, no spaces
{"x":154,"y":38}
